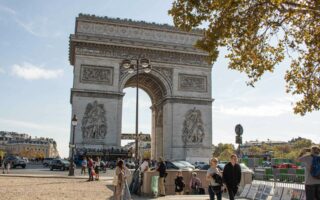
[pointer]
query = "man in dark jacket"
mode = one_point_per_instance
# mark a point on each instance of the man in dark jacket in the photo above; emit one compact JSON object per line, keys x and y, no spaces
{"x":162,"y":175}
{"x":232,"y":176}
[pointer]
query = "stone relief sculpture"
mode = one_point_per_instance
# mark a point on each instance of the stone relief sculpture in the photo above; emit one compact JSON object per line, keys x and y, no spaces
{"x":94,"y":123}
{"x":193,"y":131}
{"x":96,"y":74}
{"x":192,"y":83}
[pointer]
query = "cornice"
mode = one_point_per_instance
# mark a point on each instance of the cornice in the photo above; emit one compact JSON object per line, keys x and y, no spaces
{"x":139,"y":24}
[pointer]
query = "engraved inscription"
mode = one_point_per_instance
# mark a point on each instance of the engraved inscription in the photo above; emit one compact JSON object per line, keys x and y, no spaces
{"x":192,"y":83}
{"x":96,"y":74}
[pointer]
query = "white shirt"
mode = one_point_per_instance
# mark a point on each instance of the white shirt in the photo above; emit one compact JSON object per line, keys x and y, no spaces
{"x":144,"y":166}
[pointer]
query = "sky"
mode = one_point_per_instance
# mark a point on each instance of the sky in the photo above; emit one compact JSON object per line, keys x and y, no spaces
{"x":36,"y":77}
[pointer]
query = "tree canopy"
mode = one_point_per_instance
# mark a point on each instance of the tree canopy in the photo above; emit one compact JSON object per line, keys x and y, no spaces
{"x":258,"y":34}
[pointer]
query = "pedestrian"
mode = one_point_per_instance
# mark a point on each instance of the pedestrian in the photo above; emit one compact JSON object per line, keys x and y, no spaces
{"x":90,"y":168}
{"x":312,"y":184}
{"x":143,"y":168}
{"x":214,"y":177}
{"x":195,"y":184}
{"x":179,"y":183}
{"x":126,"y":193}
{"x":232,"y":176}
{"x":84,"y":164}
{"x":8,"y":166}
{"x":120,"y":181}
{"x":162,"y":175}
{"x":97,"y":168}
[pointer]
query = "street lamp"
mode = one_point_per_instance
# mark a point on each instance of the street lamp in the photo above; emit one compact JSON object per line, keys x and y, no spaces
{"x":134,"y":65}
{"x":74,"y":123}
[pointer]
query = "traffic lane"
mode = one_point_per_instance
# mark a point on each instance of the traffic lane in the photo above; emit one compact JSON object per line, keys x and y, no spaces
{"x":39,"y":169}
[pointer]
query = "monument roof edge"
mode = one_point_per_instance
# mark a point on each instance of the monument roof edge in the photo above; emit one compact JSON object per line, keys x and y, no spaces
{"x":144,"y":24}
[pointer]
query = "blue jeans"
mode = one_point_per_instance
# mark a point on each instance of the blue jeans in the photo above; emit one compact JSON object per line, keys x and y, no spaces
{"x":212,"y":193}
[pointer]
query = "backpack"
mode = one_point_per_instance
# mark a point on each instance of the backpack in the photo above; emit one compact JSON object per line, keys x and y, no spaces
{"x":315,"y":167}
{"x":217,"y":178}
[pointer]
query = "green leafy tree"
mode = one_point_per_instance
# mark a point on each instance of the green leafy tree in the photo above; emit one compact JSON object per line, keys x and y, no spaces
{"x":221,"y":148}
{"x":258,"y":34}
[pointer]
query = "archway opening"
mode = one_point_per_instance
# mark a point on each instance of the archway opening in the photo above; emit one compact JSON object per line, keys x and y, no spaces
{"x":151,"y":94}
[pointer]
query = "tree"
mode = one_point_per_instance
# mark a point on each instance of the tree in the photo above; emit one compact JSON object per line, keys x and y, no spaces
{"x":257,"y":35}
{"x":221,"y":148}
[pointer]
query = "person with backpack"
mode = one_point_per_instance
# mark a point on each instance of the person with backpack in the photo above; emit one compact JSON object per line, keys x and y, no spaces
{"x":214,"y":177}
{"x":162,"y":169}
{"x":195,"y":184}
{"x":311,"y":160}
{"x":179,"y":183}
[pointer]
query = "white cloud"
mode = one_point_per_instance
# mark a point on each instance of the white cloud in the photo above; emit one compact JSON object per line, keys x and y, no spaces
{"x":268,"y":110}
{"x":31,"y":72}
{"x":7,"y":10}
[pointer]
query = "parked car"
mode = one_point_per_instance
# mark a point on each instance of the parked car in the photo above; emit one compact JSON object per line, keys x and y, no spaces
{"x":205,"y":167}
{"x":46,"y":162}
{"x":178,"y":165}
{"x":199,"y":164}
{"x":59,"y":164}
{"x":111,"y":164}
{"x":286,"y":165}
{"x":186,"y":163}
{"x":15,"y":161}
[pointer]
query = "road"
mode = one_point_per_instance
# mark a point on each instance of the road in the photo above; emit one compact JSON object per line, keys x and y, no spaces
{"x":41,"y":170}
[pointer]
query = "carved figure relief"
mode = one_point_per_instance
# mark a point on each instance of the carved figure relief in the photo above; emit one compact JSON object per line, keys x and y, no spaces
{"x":193,"y":131}
{"x":192,"y":83}
{"x":94,"y":122}
{"x":96,"y":74}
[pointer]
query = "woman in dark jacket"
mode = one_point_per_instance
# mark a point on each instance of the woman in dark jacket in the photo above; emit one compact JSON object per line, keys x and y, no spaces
{"x":179,"y":184}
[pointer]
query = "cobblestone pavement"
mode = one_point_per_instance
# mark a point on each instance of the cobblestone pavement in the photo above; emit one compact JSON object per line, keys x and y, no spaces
{"x":16,"y":188}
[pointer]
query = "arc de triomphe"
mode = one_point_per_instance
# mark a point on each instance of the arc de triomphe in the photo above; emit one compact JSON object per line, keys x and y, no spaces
{"x":179,"y":85}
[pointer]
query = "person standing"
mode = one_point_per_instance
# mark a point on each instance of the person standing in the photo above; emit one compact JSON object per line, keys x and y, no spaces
{"x":179,"y":184}
{"x":195,"y":184}
{"x":97,"y":168}
{"x":126,"y":193}
{"x":312,"y":184}
{"x":90,"y":168}
{"x":120,"y":183}
{"x":232,"y":176}
{"x":162,"y":175}
{"x":215,"y":185}
{"x":84,"y":164}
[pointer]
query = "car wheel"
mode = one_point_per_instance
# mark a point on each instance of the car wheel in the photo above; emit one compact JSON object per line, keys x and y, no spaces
{"x":51,"y":168}
{"x":23,"y":166}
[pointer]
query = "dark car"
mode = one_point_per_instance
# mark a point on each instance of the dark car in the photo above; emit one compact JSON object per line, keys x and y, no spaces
{"x":46,"y":162}
{"x":111,"y":164}
{"x":15,"y":161}
{"x":59,"y":164}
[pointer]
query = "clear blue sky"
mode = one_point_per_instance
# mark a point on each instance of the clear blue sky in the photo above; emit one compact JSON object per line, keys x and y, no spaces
{"x":36,"y":77}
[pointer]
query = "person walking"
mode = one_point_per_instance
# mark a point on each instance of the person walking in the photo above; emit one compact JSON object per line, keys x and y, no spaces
{"x":120,"y":180}
{"x":232,"y":176}
{"x":162,"y":175}
{"x":84,"y":164}
{"x":312,"y":184}
{"x":179,"y":184}
{"x":214,"y":177}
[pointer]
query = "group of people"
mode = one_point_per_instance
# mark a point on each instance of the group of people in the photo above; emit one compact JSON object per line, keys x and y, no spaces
{"x":93,"y":167}
{"x":5,"y":165}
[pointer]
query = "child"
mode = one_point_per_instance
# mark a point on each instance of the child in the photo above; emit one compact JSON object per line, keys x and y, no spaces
{"x":179,"y":184}
{"x":195,"y":184}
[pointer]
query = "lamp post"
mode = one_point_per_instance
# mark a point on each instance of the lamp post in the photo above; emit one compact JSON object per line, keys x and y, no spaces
{"x":74,"y":123}
{"x":134,"y":65}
